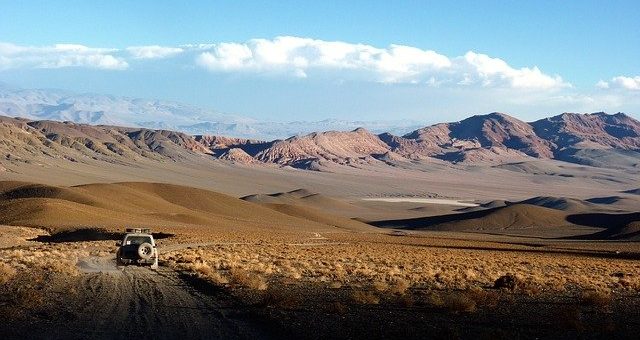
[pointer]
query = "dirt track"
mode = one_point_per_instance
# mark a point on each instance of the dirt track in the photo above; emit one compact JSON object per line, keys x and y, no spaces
{"x":137,"y":302}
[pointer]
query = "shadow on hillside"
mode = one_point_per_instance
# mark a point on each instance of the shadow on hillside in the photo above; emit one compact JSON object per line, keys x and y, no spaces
{"x":425,"y":222}
{"x":85,"y":235}
{"x":617,"y":225}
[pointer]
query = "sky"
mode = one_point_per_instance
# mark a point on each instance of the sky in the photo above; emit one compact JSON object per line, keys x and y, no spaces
{"x":355,"y":60}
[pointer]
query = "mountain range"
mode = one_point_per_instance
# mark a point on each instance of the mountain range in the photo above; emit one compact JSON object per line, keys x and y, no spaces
{"x":97,"y":109}
{"x":597,"y":139}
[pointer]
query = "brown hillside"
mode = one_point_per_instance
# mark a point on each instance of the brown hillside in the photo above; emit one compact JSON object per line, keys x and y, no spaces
{"x":321,"y":216}
{"x":154,"y":205}
{"x":512,"y":217}
{"x":303,"y":197}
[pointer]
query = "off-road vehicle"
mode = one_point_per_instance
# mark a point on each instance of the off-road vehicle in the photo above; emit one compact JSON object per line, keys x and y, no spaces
{"x":137,"y":247}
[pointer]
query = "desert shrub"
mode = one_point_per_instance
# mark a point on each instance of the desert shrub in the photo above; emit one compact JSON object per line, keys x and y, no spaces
{"x":624,"y":283}
{"x":24,"y":292}
{"x":365,"y":297}
{"x":435,"y":299}
{"x":407,"y":300}
{"x":280,"y":299}
{"x":335,"y":285}
{"x":217,"y":278}
{"x":6,"y":273}
{"x":202,"y":269}
{"x":460,"y":302}
{"x":337,"y":307}
{"x":399,"y":286}
{"x":483,"y":298}
{"x":596,"y":298}
{"x":247,"y":279}
{"x":380,"y":286}
{"x":508,"y":281}
{"x":529,"y":288}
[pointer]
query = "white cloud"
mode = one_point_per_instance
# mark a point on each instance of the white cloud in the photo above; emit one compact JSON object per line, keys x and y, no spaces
{"x":295,"y":56}
{"x":494,"y":71}
{"x":58,"y":56}
{"x":601,"y":84}
{"x":228,"y":57}
{"x":629,"y":83}
{"x":153,"y":52}
{"x":621,"y":82}
{"x":394,"y":64}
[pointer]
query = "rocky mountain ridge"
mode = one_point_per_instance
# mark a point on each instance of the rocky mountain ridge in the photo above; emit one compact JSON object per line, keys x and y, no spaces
{"x":596,"y":139}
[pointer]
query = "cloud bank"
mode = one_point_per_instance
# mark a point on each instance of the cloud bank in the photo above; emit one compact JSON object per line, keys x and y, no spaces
{"x":59,"y":56}
{"x":289,"y":56}
{"x":621,"y":82}
{"x":153,"y":52}
{"x":302,"y":58}
{"x":394,"y":64}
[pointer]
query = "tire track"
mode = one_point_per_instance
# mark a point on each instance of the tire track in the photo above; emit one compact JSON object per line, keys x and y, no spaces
{"x":125,"y":302}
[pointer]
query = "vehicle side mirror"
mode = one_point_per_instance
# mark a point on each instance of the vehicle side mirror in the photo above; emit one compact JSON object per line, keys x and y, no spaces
{"x":118,"y":244}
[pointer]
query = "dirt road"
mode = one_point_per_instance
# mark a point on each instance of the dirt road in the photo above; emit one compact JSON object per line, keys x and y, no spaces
{"x":113,"y":302}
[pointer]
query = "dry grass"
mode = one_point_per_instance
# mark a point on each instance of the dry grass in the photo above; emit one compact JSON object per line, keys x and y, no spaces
{"x":483,"y":297}
{"x":597,"y":298}
{"x":407,"y":301}
{"x":395,"y":266}
{"x":61,"y":259}
{"x":280,"y":299}
{"x":247,"y":279}
{"x":29,"y":277}
{"x":399,"y":286}
{"x":6,"y":273}
{"x":365,"y":297}
{"x":458,"y":302}
{"x":435,"y":299}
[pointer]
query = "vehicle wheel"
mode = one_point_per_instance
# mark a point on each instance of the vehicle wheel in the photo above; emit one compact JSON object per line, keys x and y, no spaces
{"x":118,"y":262}
{"x":145,"y":251}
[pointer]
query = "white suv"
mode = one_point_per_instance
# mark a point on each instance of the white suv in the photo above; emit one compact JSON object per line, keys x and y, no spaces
{"x":137,"y":247}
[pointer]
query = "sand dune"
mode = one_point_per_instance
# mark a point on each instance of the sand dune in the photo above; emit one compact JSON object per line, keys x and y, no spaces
{"x":567,"y":204}
{"x":113,"y":206}
{"x":303,"y":197}
{"x":516,"y":216}
{"x":560,"y":203}
{"x":321,"y":216}
{"x":538,"y":216}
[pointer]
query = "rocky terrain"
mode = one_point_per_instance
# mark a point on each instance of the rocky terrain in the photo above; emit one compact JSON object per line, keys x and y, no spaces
{"x":597,"y":139}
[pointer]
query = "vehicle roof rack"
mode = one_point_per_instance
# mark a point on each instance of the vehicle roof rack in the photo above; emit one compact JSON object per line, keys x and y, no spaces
{"x":138,"y":230}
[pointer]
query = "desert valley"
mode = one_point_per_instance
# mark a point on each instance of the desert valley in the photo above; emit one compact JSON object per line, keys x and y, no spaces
{"x":319,"y":169}
{"x":473,"y":222}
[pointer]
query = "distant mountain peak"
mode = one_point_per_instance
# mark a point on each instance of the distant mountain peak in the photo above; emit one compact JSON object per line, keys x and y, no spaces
{"x":97,"y":109}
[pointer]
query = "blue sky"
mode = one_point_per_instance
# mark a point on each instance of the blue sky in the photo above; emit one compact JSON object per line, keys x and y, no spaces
{"x":312,"y":60}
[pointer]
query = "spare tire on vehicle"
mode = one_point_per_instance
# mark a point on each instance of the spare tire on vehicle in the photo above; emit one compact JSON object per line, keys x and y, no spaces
{"x":145,"y":251}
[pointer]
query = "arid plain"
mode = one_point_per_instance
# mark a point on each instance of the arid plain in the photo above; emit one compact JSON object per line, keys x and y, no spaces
{"x":285,"y":244}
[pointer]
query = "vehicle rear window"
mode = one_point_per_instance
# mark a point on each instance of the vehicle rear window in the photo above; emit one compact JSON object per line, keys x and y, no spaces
{"x":137,"y":240}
